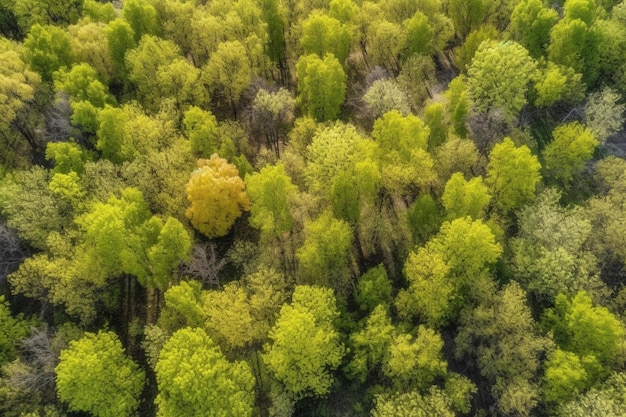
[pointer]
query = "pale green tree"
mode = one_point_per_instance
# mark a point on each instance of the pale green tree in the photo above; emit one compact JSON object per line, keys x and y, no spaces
{"x":499,"y":77}
{"x":322,"y":34}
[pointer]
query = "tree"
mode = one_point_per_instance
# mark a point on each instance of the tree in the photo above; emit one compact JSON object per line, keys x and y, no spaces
{"x":272,"y":194}
{"x":323,"y":35}
{"x":499,"y":76}
{"x":501,"y":339}
{"x":565,"y":377}
{"x":228,"y":72}
{"x":419,"y":35}
{"x":465,"y":198}
{"x":195,"y":379}
{"x":413,"y":404}
{"x":512,"y":175}
{"x":465,"y":53}
{"x":448,"y":272}
{"x":145,"y":63}
{"x":304,"y":343}
{"x":369,"y":344}
{"x":558,"y":83}
{"x":383,"y":96}
{"x":415,"y":362}
{"x":604,"y":116}
{"x":17,"y":90}
{"x":94,"y":375}
{"x":216,"y":195}
{"x":467,"y":15}
{"x":12,"y":330}
{"x":550,"y":254}
{"x":321,"y":86}
{"x":323,"y":257}
{"x":142,"y":17}
{"x":374,"y":288}
{"x":531,"y":22}
{"x":47,"y":48}
{"x":589,"y":331}
{"x":571,"y":147}
{"x":606,"y":400}
{"x":120,"y":39}
{"x":200,"y":127}
{"x":272,"y":113}
{"x":88,"y":41}
{"x":573,"y":44}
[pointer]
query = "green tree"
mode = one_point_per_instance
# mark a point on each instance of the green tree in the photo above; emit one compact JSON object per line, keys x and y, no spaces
{"x":531,"y":22}
{"x":374,"y":288}
{"x":47,"y":48}
{"x":216,"y":195}
{"x":321,"y":86}
{"x":558,"y":83}
{"x":571,"y":147}
{"x":413,"y":404}
{"x":200,"y":127}
{"x":120,"y":39}
{"x":512,"y":175}
{"x":88,"y":41}
{"x":501,"y":339}
{"x":499,"y":77}
{"x":606,"y":400}
{"x":586,"y":330}
{"x":94,"y":375}
{"x":142,"y":17}
{"x":195,"y":379}
{"x":228,"y":72}
{"x":323,"y":35}
{"x":415,"y":362}
{"x":465,"y":53}
{"x":12,"y":330}
{"x":467,"y":15}
{"x":272,"y":194}
{"x":419,"y":35}
{"x":565,"y":377}
{"x":145,"y":65}
{"x":324,"y":256}
{"x":305,"y":346}
{"x":465,"y":198}
{"x":573,"y":44}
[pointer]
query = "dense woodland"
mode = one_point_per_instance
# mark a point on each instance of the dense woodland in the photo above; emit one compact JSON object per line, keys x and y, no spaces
{"x":385,"y":208}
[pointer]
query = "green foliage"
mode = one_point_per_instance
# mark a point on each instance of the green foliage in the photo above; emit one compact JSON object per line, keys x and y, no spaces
{"x":465,"y":198}
{"x":321,"y":86}
{"x":12,"y":329}
{"x":228,"y":72}
{"x":501,"y":338}
{"x":195,"y":379}
{"x":512,"y":175}
{"x":370,"y":343}
{"x":584,"y":329}
{"x":200,"y":127}
{"x":571,"y":147}
{"x":419,"y":35}
{"x":550,"y":254}
{"x":607,"y":400}
{"x":465,"y":53}
{"x":413,"y":404}
{"x":304,"y":343}
{"x":499,"y":76}
{"x":458,"y":105}
{"x":47,"y":49}
{"x":565,"y":377}
{"x":604,"y":114}
{"x":415,"y":362}
{"x":374,"y":288}
{"x":531,"y":22}
{"x":323,"y":258}
{"x":323,"y":35}
{"x":558,"y":83}
{"x":94,"y":375}
{"x":142,"y":17}
{"x":272,"y":194}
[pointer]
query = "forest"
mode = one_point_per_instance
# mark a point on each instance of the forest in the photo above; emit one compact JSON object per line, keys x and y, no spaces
{"x":312,"y":208}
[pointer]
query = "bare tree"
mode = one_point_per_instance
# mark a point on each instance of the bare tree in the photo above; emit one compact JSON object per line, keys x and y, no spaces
{"x":204,"y":265}
{"x":11,"y":252}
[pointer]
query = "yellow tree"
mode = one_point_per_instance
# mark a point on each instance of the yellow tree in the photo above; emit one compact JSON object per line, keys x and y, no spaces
{"x":216,"y":195}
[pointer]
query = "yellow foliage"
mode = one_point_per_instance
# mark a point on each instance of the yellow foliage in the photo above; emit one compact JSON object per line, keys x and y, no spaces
{"x":217,"y":196}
